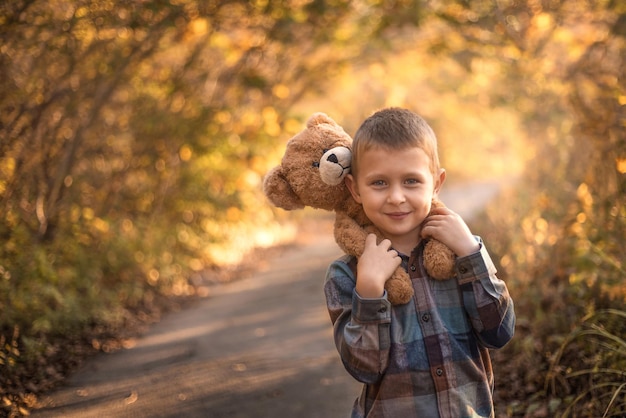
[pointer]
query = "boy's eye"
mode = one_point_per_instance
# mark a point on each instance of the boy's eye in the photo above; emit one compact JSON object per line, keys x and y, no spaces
{"x":378,"y":183}
{"x":412,"y":181}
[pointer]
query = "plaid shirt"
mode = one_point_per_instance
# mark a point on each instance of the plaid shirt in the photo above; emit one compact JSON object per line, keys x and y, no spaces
{"x":429,"y":357}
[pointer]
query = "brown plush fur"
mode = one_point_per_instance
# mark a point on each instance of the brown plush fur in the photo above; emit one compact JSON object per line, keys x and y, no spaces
{"x":297,"y":182}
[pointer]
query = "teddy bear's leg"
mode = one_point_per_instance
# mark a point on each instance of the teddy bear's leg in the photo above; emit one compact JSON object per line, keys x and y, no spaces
{"x":399,"y":287}
{"x":439,"y":260}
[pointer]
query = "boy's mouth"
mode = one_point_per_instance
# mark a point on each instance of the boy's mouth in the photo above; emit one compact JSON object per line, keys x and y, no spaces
{"x":397,"y":215}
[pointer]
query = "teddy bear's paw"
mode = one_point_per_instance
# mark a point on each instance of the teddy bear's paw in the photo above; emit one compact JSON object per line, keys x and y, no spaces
{"x":400,"y":296}
{"x":439,"y":260}
{"x":399,"y":288}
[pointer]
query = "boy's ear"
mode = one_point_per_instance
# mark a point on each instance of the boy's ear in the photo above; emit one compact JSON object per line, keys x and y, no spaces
{"x":439,"y":180}
{"x":352,"y":186}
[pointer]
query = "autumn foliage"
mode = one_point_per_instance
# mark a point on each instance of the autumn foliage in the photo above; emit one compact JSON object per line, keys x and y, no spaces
{"x":134,"y":137}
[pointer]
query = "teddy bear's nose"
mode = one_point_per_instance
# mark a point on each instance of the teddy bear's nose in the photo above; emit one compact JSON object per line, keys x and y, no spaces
{"x":333,"y":159}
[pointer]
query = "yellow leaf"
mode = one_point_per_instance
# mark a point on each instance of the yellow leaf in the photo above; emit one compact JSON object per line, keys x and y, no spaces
{"x":185,"y":153}
{"x":543,"y":21}
{"x":281,"y":91}
{"x":199,"y":26}
{"x":621,"y":165}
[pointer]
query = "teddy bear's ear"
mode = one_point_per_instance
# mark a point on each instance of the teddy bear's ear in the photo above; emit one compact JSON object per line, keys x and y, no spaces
{"x":279,"y":192}
{"x":319,"y":118}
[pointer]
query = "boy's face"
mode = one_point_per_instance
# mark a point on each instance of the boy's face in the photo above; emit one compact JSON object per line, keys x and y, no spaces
{"x":396,"y":188}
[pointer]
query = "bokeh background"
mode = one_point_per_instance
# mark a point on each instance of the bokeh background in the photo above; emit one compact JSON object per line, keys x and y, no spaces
{"x":134,"y":137}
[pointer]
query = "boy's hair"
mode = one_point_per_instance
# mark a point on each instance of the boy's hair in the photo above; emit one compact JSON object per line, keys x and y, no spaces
{"x":395,"y":128}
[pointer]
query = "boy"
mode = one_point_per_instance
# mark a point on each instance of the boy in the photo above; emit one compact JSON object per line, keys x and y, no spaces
{"x":429,"y":357}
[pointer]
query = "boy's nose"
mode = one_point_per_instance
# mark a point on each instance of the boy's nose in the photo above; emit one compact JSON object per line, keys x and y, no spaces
{"x":396,"y":195}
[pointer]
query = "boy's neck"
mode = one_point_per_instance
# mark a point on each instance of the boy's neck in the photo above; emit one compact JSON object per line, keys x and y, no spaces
{"x":405,"y":248}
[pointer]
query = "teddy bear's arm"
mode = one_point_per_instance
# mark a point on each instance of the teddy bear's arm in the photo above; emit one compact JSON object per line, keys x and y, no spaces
{"x":349,"y":235}
{"x":279,"y":191}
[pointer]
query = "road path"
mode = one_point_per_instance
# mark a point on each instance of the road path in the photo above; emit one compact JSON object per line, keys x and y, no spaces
{"x":256,"y":347}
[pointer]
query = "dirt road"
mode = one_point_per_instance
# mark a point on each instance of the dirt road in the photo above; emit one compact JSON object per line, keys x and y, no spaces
{"x":256,"y":347}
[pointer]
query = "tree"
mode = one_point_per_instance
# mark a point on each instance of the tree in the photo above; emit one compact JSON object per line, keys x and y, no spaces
{"x":558,"y":241}
{"x":133,"y":138}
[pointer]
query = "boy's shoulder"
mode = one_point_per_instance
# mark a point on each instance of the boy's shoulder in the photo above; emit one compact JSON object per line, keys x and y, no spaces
{"x":346,"y":263}
{"x":350,"y":260}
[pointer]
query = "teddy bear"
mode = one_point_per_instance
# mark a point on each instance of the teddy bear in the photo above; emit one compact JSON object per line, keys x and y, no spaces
{"x":311,"y":173}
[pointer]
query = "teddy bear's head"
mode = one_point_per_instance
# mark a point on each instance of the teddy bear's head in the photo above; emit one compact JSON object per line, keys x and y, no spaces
{"x":312,"y":170}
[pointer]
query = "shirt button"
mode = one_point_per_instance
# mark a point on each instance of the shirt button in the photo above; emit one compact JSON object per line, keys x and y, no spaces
{"x":439,"y":372}
{"x":426,"y":317}
{"x":413,"y":268}
{"x":463,"y":269}
{"x":382,"y":310}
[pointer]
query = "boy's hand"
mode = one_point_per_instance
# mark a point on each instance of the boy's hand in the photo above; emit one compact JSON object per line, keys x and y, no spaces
{"x":448,"y":227}
{"x":375,"y":267}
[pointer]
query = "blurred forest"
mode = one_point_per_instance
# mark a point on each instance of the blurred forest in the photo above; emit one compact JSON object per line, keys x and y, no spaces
{"x":134,"y":136}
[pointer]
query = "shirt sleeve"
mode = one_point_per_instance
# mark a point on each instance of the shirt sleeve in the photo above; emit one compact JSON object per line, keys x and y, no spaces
{"x":361,"y":326}
{"x":486,"y":299}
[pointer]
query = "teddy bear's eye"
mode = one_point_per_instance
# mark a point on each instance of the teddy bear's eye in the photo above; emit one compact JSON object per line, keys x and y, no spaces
{"x":324,"y":151}
{"x":316,"y":164}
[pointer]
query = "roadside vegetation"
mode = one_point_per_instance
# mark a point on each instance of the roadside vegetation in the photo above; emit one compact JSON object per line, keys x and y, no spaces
{"x":134,"y":137}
